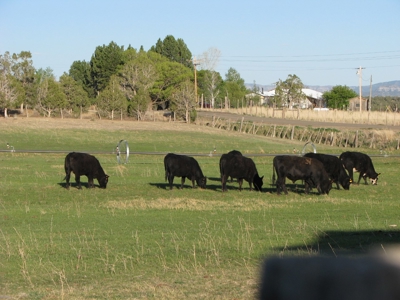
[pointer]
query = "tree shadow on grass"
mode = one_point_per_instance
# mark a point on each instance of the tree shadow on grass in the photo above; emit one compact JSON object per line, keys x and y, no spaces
{"x":341,"y":243}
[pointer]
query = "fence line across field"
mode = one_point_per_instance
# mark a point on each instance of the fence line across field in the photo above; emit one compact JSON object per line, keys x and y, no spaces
{"x":165,"y":153}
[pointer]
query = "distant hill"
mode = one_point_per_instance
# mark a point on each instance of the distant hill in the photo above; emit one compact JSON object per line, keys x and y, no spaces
{"x":389,"y":88}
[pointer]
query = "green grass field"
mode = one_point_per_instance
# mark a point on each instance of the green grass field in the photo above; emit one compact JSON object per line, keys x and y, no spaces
{"x":139,"y":240}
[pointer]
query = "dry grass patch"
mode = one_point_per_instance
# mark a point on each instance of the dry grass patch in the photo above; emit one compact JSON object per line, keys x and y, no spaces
{"x":191,"y":204}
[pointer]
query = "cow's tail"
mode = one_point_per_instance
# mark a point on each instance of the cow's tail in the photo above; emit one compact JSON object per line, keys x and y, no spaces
{"x":67,"y":167}
{"x":166,"y":171}
{"x":273,"y":174}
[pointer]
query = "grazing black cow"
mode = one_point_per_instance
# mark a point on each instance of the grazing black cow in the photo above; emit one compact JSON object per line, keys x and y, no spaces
{"x":84,"y":164}
{"x":235,"y":165}
{"x":334,"y":167}
{"x":183,"y":166}
{"x":359,"y":162}
{"x":310,"y":170}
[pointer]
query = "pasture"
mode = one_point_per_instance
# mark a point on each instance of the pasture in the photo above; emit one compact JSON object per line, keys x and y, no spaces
{"x":139,"y":240}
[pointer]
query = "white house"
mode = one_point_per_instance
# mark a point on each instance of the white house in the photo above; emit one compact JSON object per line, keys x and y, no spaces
{"x":313,"y":98}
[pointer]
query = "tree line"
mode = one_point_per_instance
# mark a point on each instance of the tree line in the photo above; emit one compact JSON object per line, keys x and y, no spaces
{"x":128,"y":82}
{"x":118,"y":82}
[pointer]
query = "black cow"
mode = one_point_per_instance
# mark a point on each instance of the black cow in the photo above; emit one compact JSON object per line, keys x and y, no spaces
{"x":310,"y":170}
{"x":334,"y":167}
{"x":84,"y":164}
{"x":235,"y":165}
{"x":183,"y":166}
{"x":359,"y":162}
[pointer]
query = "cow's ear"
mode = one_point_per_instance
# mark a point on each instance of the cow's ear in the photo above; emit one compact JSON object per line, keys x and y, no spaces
{"x":107,"y":176}
{"x":379,"y":174}
{"x":262,"y":177}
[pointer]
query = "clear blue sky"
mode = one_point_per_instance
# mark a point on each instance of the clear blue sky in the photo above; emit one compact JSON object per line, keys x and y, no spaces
{"x":320,"y":41}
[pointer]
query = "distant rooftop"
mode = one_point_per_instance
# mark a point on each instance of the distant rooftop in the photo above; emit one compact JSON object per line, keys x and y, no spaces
{"x":308,"y":92}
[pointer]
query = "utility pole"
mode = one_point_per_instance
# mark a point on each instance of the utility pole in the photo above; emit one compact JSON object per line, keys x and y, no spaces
{"x":370,"y":94}
{"x":195,"y":63}
{"x":359,"y":73}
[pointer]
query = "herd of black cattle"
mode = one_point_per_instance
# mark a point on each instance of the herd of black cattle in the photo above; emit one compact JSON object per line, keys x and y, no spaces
{"x":315,"y":170}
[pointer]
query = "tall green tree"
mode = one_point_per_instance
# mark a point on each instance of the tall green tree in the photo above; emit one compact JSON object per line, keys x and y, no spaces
{"x":137,"y":77}
{"x":24,"y":72}
{"x":20,"y":66}
{"x":76,"y":97}
{"x":80,"y":71}
{"x":174,"y":50}
{"x":112,"y":98}
{"x":289,"y":92}
{"x":338,"y":97}
{"x":51,"y":97}
{"x":234,"y":88}
{"x":104,"y":63}
{"x":170,"y":75}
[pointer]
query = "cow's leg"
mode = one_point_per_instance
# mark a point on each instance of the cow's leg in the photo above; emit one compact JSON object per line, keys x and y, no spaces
{"x":306,"y":187}
{"x":319,"y":189}
{"x":283,"y":184}
{"x":78,"y":181}
{"x":90,"y":182}
{"x":182,"y":181}
{"x":359,"y":178}
{"x":337,"y":184}
{"x":223,"y":182}
{"x":350,"y":170}
{"x":240,"y":183}
{"x":170,"y":180}
{"x":67,"y":177}
{"x":251,"y":186}
{"x":365,"y":179}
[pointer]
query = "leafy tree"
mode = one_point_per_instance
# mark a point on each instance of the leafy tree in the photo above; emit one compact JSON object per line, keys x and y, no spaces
{"x":129,"y":54}
{"x":8,"y":92}
{"x":211,"y":81}
{"x":210,"y":86}
{"x":174,"y":50}
{"x":51,"y":97}
{"x":76,"y":97}
{"x":104,"y":63}
{"x":80,"y":71}
{"x":254,"y":97}
{"x":20,"y":67}
{"x":338,"y":97}
{"x":112,"y":98}
{"x":184,"y":101}
{"x":289,"y":92}
{"x":382,"y":103}
{"x":137,"y":77}
{"x":139,"y":104}
{"x":234,"y":87}
{"x":170,"y":75}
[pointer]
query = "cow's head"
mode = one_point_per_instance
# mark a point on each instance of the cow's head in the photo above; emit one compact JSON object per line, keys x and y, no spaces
{"x":258,"y":182}
{"x":374,"y":181}
{"x":346,"y":183}
{"x":326,"y":186}
{"x":201,"y":182}
{"x":103,"y":181}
